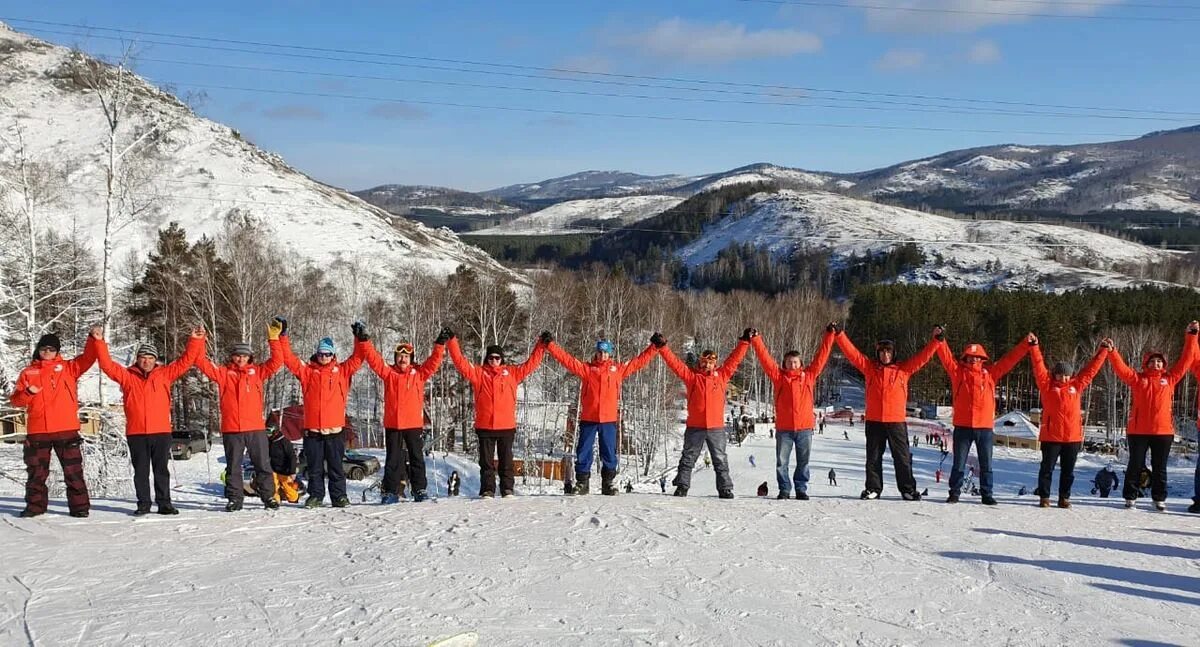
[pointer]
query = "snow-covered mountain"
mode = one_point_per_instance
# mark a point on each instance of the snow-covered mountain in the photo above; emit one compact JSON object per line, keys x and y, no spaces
{"x":203,"y":173}
{"x":1157,"y":172}
{"x":590,"y":184}
{"x":438,"y":206}
{"x":965,"y":253}
{"x":780,"y":176}
{"x":585,"y":216}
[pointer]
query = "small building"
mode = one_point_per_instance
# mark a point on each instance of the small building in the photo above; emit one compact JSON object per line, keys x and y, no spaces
{"x":1015,"y":429}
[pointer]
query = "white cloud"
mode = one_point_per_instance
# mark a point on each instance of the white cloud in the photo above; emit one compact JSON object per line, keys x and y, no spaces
{"x":296,"y":112}
{"x":718,"y":42}
{"x":895,"y":60}
{"x":966,"y":15}
{"x":984,"y":52}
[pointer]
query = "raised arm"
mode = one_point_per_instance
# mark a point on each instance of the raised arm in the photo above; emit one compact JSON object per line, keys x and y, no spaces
{"x":1120,"y":368}
{"x":351,"y":364}
{"x":1187,"y":355}
{"x":1092,"y":369}
{"x":195,"y":346}
{"x":569,"y":361}
{"x":1040,"y":375}
{"x":764,"y":357}
{"x":530,"y":365}
{"x":431,"y":363}
{"x":84,"y":360}
{"x":374,"y":360}
{"x":1001,"y":367}
{"x":675,"y":364}
{"x":914,"y":363}
{"x":639,"y":362}
{"x":464,"y":365}
{"x":113,"y":370}
{"x":731,"y":363}
{"x":281,"y":352}
{"x":947,"y":359}
{"x":856,"y":359}
{"x":822,"y":357}
{"x":209,"y":369}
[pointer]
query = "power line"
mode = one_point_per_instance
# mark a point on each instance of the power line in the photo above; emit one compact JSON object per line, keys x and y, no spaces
{"x":907,"y":107}
{"x":554,"y":71}
{"x":975,"y":12}
{"x":1100,"y":5}
{"x":616,"y":115}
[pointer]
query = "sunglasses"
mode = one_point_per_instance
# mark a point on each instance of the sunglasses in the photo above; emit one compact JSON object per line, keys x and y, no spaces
{"x":324,"y":354}
{"x":47,"y":349}
{"x":494,"y":358}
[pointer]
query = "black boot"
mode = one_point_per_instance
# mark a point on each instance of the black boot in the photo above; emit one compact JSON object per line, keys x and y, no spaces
{"x":606,"y":482}
{"x":581,"y":482}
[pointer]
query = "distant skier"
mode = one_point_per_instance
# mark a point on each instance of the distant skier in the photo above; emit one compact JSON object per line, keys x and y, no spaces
{"x":662,"y":483}
{"x":832,"y":477}
{"x":752,"y":461}
{"x":628,"y":486}
{"x":846,"y":435}
{"x":452,"y":484}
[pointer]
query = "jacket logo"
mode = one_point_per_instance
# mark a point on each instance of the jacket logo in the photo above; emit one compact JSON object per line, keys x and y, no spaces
{"x":334,"y":369}
{"x":504,"y":372}
{"x":1162,"y":381}
{"x":412,"y":371}
{"x":58,"y":368}
{"x":1072,"y":390}
{"x":612,"y":369}
{"x":250,"y":371}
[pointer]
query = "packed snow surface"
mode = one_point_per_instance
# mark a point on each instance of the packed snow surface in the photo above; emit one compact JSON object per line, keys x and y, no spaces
{"x":989,"y":163}
{"x":642,"y":568}
{"x":1163,"y":200}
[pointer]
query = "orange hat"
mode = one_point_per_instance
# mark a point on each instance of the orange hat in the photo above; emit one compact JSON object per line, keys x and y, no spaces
{"x":974,"y":350}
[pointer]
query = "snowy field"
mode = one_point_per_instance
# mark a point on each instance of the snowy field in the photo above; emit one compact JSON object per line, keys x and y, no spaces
{"x":640,"y":568}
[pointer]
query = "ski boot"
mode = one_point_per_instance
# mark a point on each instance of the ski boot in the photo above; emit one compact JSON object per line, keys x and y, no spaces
{"x":581,"y":483}
{"x":606,"y":482}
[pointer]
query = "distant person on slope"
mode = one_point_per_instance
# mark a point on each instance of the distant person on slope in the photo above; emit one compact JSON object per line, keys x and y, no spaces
{"x":1151,"y":426}
{"x":146,"y":396}
{"x":243,"y":429}
{"x":973,"y":384}
{"x":887,"y":397}
{"x":495,"y":385}
{"x":706,"y":385}
{"x":1106,"y":481}
{"x":325,"y":385}
{"x":832,"y":477}
{"x":452,"y":484}
{"x":1061,"y":433}
{"x":47,"y":390}
{"x":404,"y":415}
{"x":794,"y":384}
{"x":599,"y":398}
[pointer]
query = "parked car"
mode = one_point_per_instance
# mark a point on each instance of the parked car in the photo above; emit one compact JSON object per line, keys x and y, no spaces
{"x":185,"y":442}
{"x":356,"y":465}
{"x":845,"y":413}
{"x":914,"y":411}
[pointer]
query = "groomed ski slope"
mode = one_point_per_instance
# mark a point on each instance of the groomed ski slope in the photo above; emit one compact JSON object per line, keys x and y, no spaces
{"x":639,"y":568}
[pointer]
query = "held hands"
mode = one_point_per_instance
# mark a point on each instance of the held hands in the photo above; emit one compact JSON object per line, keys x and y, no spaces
{"x":198,"y":332}
{"x":833,"y":327}
{"x":1031,"y":339}
{"x":546,"y":337}
{"x":658,"y":340}
{"x":360,"y":331}
{"x":276,"y":328}
{"x":939,"y":333}
{"x":96,"y":332}
{"x":1107,"y":342}
{"x":748,"y":334}
{"x":444,"y":336}
{"x":1193,"y":327}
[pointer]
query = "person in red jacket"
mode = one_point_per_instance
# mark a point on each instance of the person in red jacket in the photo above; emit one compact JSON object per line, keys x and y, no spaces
{"x":243,"y":429}
{"x":973,"y":384}
{"x":146,"y":394}
{"x":325,"y":387}
{"x":1151,"y":426}
{"x":1061,"y":433}
{"x":706,"y":385}
{"x":495,"y":385}
{"x":794,"y":420}
{"x":404,"y":415}
{"x":887,"y":399}
{"x":47,"y":390}
{"x":599,"y":394}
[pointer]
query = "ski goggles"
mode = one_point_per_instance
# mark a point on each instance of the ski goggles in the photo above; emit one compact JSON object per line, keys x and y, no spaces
{"x":404,"y":348}
{"x":709,"y":354}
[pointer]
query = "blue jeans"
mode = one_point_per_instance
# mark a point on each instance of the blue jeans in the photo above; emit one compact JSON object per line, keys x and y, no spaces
{"x":784,"y":442}
{"x":983,"y":441}
{"x":587,"y":446}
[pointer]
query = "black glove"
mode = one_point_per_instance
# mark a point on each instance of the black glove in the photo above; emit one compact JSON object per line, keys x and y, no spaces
{"x":283,"y":323}
{"x":546,"y":337}
{"x":941,"y":336}
{"x":833,"y":328}
{"x":1192,"y":330}
{"x":360,"y":331}
{"x":746,"y":334}
{"x":658,"y":340}
{"x":443,"y":336}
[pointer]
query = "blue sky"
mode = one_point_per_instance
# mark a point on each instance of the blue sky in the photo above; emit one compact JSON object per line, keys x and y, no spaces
{"x":396,"y":127}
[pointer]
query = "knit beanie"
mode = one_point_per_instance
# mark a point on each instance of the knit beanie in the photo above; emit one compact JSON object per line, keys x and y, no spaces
{"x":241,"y":349}
{"x":494,"y":350}
{"x":49,"y":340}
{"x":1062,"y":368}
{"x":326,"y":346}
{"x":147,"y":348}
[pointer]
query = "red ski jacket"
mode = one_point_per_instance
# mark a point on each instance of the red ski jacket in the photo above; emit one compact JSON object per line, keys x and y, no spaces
{"x":794,"y":388}
{"x":887,"y":385}
{"x":706,"y":391}
{"x":600,"y":388}
{"x":55,"y":408}
{"x":147,"y":396}
{"x":1062,"y":417}
{"x":325,"y":388}
{"x":240,"y":390}
{"x":495,"y":387}
{"x":974,"y":385}
{"x":1152,"y":392}
{"x":404,"y":391}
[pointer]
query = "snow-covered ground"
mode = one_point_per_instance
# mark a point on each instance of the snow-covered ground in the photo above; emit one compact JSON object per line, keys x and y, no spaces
{"x":565,"y":217}
{"x":640,"y":568}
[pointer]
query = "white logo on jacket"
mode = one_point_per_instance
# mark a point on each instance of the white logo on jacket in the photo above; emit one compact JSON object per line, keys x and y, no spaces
{"x":334,"y":369}
{"x":504,"y":372}
{"x":250,"y":371}
{"x":58,"y":368}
